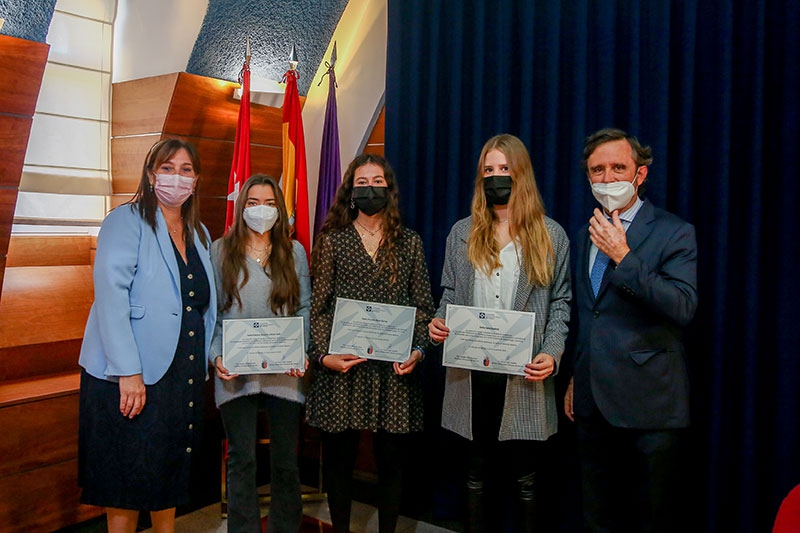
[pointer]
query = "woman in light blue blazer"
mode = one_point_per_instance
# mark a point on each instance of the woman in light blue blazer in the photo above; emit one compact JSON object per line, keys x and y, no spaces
{"x":144,"y":349}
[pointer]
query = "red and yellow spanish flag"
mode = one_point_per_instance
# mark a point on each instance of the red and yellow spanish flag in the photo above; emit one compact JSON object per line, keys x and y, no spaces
{"x":295,"y":177}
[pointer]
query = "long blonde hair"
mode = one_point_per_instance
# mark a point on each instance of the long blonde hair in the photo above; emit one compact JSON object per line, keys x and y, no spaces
{"x":525,"y":216}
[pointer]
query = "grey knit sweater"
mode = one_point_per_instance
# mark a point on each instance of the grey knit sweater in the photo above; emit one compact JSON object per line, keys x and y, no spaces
{"x":255,"y":304}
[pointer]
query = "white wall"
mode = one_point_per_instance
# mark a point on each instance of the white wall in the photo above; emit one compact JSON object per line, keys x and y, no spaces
{"x":361,"y":74}
{"x":154,"y":37}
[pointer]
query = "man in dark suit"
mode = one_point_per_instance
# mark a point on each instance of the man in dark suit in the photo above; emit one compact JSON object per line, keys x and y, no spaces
{"x":635,"y":291}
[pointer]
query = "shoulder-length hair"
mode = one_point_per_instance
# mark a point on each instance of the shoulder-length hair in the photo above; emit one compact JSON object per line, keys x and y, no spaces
{"x":525,"y":216}
{"x":343,"y":212}
{"x":145,"y":198}
{"x":284,"y":299}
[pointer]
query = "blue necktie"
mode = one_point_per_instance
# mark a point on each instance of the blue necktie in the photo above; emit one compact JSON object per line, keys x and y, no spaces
{"x":598,"y":269}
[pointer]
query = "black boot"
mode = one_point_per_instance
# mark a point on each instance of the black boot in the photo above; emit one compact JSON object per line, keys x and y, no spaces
{"x":526,"y":503}
{"x":475,"y":506}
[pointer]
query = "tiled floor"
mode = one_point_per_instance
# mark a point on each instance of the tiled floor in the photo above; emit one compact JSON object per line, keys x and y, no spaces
{"x":364,"y":519}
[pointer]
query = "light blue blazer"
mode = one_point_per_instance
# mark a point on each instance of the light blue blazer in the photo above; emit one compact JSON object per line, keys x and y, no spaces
{"x":135,"y":320}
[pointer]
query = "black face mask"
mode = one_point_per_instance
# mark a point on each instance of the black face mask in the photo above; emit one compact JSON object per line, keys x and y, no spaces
{"x":369,"y":200}
{"x":497,"y":189}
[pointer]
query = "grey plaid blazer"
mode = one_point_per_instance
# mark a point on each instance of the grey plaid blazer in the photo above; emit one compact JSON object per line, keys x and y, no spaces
{"x":529,"y":412}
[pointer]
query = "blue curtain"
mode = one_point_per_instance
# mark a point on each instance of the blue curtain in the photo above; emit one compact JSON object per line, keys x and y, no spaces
{"x":713,"y":87}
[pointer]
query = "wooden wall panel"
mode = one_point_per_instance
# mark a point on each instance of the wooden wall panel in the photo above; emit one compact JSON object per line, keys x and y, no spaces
{"x":117,"y":200}
{"x":378,"y":131}
{"x":8,"y":200}
{"x":32,"y":361}
{"x":215,"y":161}
{"x":375,"y":142}
{"x":14,"y":133}
{"x":22,"y":65}
{"x":216,"y":156}
{"x":45,"y":499}
{"x":212,"y":213}
{"x":205,"y":107}
{"x":127,"y":159}
{"x":266,"y":160}
{"x":21,"y":68}
{"x":46,"y":388}
{"x":22,"y":446}
{"x":45,"y":304}
{"x":40,"y":250}
{"x":140,"y":106}
{"x":202,"y":111}
{"x":375,"y":149}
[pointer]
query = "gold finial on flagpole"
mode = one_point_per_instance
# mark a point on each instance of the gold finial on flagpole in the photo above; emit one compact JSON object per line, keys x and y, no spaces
{"x":247,"y":54}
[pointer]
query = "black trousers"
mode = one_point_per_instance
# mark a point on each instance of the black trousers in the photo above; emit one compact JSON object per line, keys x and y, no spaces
{"x":496,"y":466}
{"x":240,"y":417}
{"x":339,"y":452}
{"x":629,"y":477}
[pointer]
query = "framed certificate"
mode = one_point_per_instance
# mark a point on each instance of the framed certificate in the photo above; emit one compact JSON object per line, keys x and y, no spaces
{"x":263,"y":345}
{"x":372,"y":330}
{"x":490,"y":340}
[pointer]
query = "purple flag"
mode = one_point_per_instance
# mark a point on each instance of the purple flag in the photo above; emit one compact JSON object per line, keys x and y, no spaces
{"x":330,"y":169}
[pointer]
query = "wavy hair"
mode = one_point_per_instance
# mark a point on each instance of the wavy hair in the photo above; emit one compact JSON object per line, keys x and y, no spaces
{"x":284,"y":299}
{"x":145,"y":198}
{"x":342,"y":213}
{"x":525,"y":214}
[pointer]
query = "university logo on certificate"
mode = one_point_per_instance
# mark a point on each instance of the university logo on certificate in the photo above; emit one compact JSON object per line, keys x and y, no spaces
{"x":490,"y":340}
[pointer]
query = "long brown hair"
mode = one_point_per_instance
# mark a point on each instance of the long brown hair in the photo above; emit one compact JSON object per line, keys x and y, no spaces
{"x":525,"y":214}
{"x":342,"y":213}
{"x":145,"y":198}
{"x":279,"y":266}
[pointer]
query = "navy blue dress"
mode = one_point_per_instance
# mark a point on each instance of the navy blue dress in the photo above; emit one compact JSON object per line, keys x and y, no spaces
{"x":145,"y":463}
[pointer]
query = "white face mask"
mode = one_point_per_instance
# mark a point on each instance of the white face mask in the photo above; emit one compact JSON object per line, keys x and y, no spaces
{"x":173,"y":189}
{"x":260,"y":218}
{"x":615,"y":195}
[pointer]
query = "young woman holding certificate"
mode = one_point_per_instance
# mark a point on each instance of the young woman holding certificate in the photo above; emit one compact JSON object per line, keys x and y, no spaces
{"x":261,"y":273}
{"x":506,"y":255}
{"x":364,"y":253}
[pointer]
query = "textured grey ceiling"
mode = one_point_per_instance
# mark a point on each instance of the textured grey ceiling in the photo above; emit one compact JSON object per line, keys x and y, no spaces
{"x":273,"y":26}
{"x":27,"y":19}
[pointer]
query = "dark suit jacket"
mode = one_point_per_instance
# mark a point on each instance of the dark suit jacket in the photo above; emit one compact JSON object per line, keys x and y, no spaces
{"x":629,"y":353}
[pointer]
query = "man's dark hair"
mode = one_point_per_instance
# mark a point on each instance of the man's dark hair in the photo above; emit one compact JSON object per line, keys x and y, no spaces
{"x":642,"y":155}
